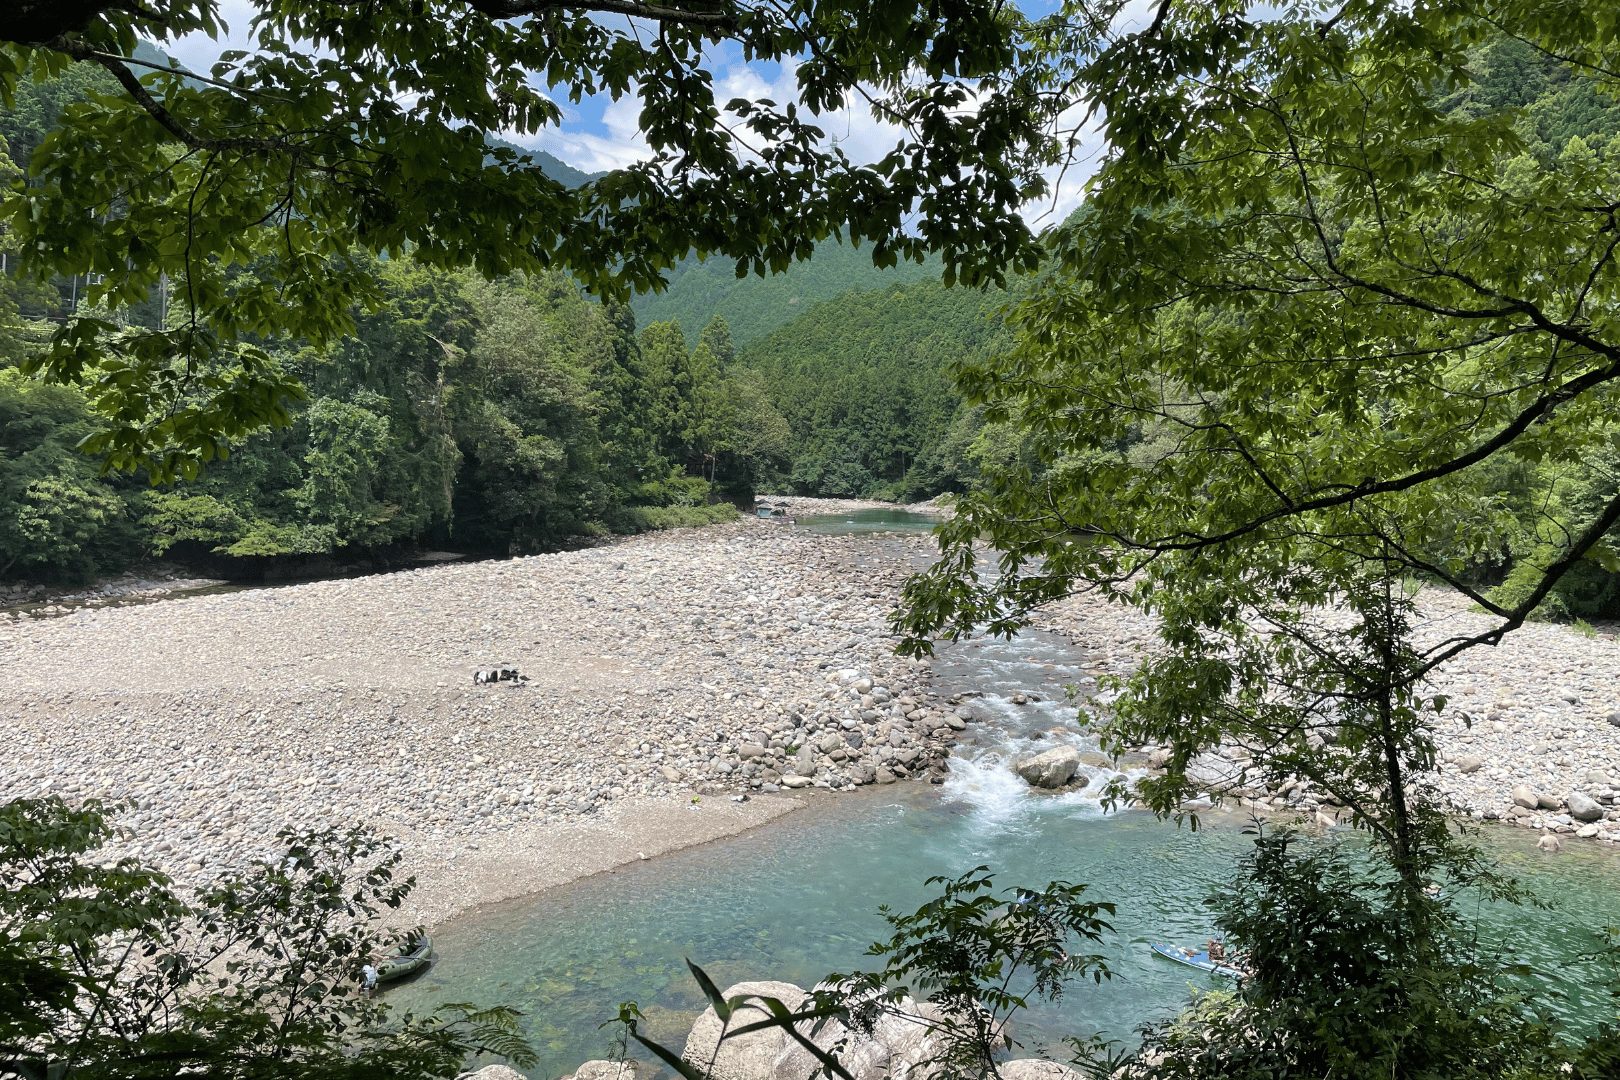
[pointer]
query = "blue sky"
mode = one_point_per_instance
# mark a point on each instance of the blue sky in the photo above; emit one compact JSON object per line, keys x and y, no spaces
{"x":599,"y":134}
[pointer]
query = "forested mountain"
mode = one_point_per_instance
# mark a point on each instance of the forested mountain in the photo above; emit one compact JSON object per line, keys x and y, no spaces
{"x":864,"y":382}
{"x":755,"y":306}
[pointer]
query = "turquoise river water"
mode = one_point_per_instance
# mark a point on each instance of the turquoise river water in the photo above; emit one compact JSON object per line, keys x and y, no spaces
{"x":799,"y":898}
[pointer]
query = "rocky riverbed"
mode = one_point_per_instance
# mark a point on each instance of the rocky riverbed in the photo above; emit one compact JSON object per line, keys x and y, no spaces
{"x":744,"y":658}
{"x":1530,"y":734}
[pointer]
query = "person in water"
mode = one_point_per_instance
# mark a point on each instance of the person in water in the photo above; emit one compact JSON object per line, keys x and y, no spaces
{"x":368,"y":979}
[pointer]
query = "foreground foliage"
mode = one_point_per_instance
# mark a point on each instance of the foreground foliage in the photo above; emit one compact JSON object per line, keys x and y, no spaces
{"x":1352,"y":973}
{"x":345,"y":133}
{"x":110,"y":972}
{"x":971,"y":958}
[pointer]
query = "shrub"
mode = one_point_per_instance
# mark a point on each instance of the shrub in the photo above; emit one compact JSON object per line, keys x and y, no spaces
{"x":110,"y":973}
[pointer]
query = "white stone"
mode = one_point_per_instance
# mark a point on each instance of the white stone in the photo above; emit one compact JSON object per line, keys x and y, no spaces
{"x":746,"y":1057}
{"x":1050,"y":769}
{"x":494,"y":1072}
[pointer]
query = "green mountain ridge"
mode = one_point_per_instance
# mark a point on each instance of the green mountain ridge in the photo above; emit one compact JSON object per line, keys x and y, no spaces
{"x":864,"y":382}
{"x":700,"y":290}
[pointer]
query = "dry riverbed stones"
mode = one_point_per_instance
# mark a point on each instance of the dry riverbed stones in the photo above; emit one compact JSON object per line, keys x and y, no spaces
{"x":743,"y":657}
{"x":1530,"y":734}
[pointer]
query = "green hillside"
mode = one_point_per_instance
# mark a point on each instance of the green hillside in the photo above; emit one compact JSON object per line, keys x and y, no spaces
{"x":755,"y":306}
{"x":864,"y":382}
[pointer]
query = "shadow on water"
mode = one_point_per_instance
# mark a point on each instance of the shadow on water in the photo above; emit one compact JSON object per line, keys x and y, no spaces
{"x":799,"y":899}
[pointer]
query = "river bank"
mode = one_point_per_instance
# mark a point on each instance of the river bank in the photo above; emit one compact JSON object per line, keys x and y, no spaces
{"x":153,"y":582}
{"x":1530,"y":735}
{"x":741,"y":657}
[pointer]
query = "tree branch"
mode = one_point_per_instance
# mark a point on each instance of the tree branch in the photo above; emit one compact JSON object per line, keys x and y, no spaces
{"x":718,"y":18}
{"x":119,"y":69}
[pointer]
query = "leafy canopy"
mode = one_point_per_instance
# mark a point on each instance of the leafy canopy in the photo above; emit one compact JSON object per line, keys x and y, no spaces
{"x":362,"y":128}
{"x":1321,"y":290}
{"x":112,"y":973}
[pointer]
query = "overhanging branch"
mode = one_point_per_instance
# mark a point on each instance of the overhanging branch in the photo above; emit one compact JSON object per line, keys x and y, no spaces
{"x":713,"y":16}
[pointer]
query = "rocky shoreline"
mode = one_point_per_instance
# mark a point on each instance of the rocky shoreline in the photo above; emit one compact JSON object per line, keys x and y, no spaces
{"x":27,"y":601}
{"x":1530,"y":735}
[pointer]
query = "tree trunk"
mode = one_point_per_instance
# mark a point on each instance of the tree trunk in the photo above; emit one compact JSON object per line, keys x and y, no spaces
{"x":1394,"y":773}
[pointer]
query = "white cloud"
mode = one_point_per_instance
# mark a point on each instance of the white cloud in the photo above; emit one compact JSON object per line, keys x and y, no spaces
{"x":619,"y":142}
{"x":198,"y":52}
{"x":1068,"y":180}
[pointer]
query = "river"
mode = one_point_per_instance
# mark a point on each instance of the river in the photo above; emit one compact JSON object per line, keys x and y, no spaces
{"x":799,"y":899}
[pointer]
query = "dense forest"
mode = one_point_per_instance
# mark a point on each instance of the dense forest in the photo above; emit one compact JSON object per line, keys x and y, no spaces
{"x":700,"y":289}
{"x":865,"y":384}
{"x":489,"y":416}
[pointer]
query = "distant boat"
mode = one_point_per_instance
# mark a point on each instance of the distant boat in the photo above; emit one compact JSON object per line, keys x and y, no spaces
{"x":1198,"y":958}
{"x":414,"y":955}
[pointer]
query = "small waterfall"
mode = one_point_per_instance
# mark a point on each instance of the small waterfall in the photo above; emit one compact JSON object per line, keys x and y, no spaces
{"x":1017,"y":693}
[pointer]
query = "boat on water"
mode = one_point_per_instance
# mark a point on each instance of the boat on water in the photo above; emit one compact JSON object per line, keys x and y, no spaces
{"x":414,"y":955}
{"x":1198,"y":958}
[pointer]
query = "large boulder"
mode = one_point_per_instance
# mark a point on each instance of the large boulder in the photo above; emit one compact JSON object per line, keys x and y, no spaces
{"x":1052,"y":768}
{"x":1524,"y":795}
{"x":605,"y":1070}
{"x":1037,"y":1069}
{"x":494,"y":1072}
{"x":748,"y":1057}
{"x":1211,"y":772}
{"x":1583,"y":808}
{"x":904,"y":1044}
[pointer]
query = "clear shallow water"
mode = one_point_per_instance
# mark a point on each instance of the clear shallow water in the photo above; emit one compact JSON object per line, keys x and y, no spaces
{"x":861,"y":522}
{"x":799,"y":899}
